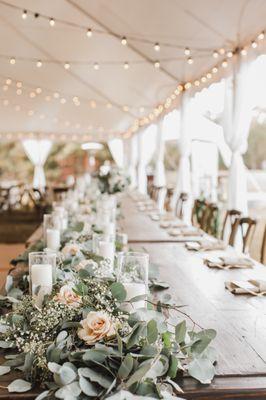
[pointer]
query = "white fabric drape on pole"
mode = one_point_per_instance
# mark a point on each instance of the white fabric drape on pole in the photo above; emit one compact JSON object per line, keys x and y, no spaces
{"x":133,"y":161}
{"x":116,"y":148}
{"x":183,"y":184}
{"x":236,"y":123}
{"x":159,"y":176}
{"x":37,"y":151}
{"x":146,"y":148}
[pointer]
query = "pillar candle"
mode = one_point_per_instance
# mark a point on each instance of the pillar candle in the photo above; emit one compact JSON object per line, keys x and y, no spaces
{"x":134,"y":289}
{"x":53,"y":239}
{"x":42,"y":277}
{"x":107,"y":250}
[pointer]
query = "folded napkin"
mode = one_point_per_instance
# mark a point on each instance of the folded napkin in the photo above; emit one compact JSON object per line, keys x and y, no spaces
{"x":229,"y":262}
{"x":252,"y":286}
{"x":184,"y":232}
{"x":165,"y":224}
{"x":206,"y":245}
{"x":154,"y":217}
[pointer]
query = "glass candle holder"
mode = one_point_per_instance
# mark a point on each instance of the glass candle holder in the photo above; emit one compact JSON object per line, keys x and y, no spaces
{"x":51,"y":231}
{"x":104,"y":245}
{"x":132,"y":271}
{"x":41,"y":265}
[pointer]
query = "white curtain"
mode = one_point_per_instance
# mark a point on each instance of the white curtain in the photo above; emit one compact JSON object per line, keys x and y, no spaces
{"x":236,"y":124}
{"x":37,"y":151}
{"x":184,"y":177}
{"x":146,"y":148}
{"x":117,"y":151}
{"x":133,"y":161}
{"x":159,"y":176}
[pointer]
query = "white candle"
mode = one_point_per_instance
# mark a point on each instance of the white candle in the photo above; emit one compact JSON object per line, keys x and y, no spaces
{"x":53,"y":239}
{"x":134,"y":289}
{"x":107,"y":250}
{"x":109,"y":228}
{"x":64,"y":223}
{"x":42,"y":277}
{"x":60,"y":211}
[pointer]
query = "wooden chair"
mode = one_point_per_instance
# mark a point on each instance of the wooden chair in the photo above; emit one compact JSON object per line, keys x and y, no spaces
{"x":156,"y":192}
{"x":179,"y":208}
{"x":263,"y":248}
{"x":198,"y":211}
{"x":247,"y":228}
{"x":209,"y":220}
{"x":168,"y":198}
{"x":230,"y":217}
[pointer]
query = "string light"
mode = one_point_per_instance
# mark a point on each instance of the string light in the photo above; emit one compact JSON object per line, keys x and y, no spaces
{"x":125,"y":108}
{"x":197,"y":83}
{"x":63,"y":100}
{"x":215,"y":54}
{"x":157,"y":64}
{"x":109,"y":105}
{"x":39,"y":64}
{"x":89,"y":33}
{"x":222,"y":51}
{"x":243,"y":51}
{"x":96,"y":66}
{"x":190,"y":60}
{"x":8,"y":81}
{"x":156,"y":47}
{"x":56,"y":95}
{"x":24,"y":14}
{"x":66,"y":65}
{"x":187,"y":51}
{"x":32,"y":95}
{"x":225,"y":64}
{"x":12,"y":61}
{"x":214,"y":70}
{"x":19,"y":92}
{"x":229,"y":54}
{"x":52,"y":22}
{"x":38,"y":90}
{"x":126,"y":65}
{"x":261,"y":36}
{"x":124,"y":41}
{"x":254,"y":44}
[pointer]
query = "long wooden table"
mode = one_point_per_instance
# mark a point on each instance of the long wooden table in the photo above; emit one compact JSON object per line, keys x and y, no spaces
{"x":240,"y":321}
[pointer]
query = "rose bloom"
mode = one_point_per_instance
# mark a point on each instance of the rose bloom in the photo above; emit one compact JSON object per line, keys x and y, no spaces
{"x":67,"y":296}
{"x":71,"y":249}
{"x":85,"y":263}
{"x":96,"y":326}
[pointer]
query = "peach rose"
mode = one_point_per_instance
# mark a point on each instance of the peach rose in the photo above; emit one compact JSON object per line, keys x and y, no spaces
{"x":96,"y":326}
{"x":71,"y":249}
{"x":85,"y":263}
{"x":67,"y":296}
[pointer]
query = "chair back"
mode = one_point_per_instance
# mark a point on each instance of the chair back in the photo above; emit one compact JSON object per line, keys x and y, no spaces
{"x":230,"y":217}
{"x":198,"y":211}
{"x":263,"y":248}
{"x":209,"y":220}
{"x":179,"y":208}
{"x":168,"y":199}
{"x":247,"y":227}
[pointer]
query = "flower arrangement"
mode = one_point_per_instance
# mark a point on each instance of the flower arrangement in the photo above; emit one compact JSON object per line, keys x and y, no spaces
{"x":112,"y":180}
{"x":82,"y":343}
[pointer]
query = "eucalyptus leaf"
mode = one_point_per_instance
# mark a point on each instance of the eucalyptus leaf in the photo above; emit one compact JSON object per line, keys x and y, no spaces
{"x":135,"y":334}
{"x":118,"y":291}
{"x":126,"y":367}
{"x":43,"y":395}
{"x":4,"y":369}
{"x":95,"y":355}
{"x":6,"y":345}
{"x":94,"y":376}
{"x":87,"y":387}
{"x":201,"y":369}
{"x":19,"y":386}
{"x":54,"y":367}
{"x":9,"y":283}
{"x":61,"y":336}
{"x":152,"y":331}
{"x":180,"y":332}
{"x":139,"y":374}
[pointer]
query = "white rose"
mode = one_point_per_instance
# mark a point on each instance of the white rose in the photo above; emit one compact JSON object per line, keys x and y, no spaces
{"x":96,"y":326}
{"x":67,"y":296}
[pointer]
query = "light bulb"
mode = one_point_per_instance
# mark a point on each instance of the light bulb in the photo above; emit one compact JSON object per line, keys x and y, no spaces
{"x":187,"y":85}
{"x":56,"y":95}
{"x":38,"y":90}
{"x":225,"y":64}
{"x":261,"y":36}
{"x":124,"y":41}
{"x":254,"y":44}
{"x":109,"y":105}
{"x":197,"y":83}
{"x":203,"y":79}
{"x":244,"y":52}
{"x":222,"y":51}
{"x":52,"y":22}
{"x":157,"y":47}
{"x":12,"y":61}
{"x":66,"y":65}
{"x":19,"y":92}
{"x":190,"y":60}
{"x":32,"y":95}
{"x":229,"y":54}
{"x":125,"y":108}
{"x":38,"y":64}
{"x":8,"y":81}
{"x":214,"y":70}
{"x":89,"y":33}
{"x":187,"y":51}
{"x":126,"y":65}
{"x":157,"y":64}
{"x":24,"y":14}
{"x":63,"y":100}
{"x":215,"y":54}
{"x":209,"y":75}
{"x":96,"y":66}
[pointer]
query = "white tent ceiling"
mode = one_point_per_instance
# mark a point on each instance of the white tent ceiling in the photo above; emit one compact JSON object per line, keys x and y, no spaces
{"x":201,"y":25}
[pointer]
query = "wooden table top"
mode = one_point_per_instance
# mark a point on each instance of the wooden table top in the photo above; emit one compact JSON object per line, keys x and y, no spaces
{"x":240,"y":321}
